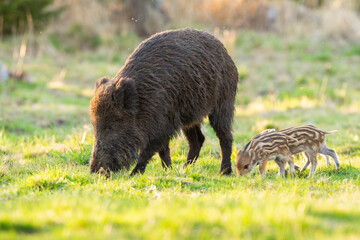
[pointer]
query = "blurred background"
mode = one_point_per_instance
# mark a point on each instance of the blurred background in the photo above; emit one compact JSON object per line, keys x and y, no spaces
{"x":55,"y":27}
{"x":289,"y":53}
{"x":59,"y":28}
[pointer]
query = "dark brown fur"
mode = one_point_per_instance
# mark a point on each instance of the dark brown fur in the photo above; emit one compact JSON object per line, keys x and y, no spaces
{"x":171,"y":82}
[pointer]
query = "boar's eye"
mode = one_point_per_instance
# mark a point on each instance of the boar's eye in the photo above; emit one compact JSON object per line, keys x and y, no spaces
{"x":107,"y":128}
{"x":247,"y":166}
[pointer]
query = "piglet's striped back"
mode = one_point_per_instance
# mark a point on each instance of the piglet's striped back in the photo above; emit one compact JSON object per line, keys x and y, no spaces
{"x":268,"y":143}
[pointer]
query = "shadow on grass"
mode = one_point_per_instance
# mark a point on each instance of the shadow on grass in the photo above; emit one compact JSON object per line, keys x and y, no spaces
{"x":345,"y":172}
{"x":350,"y":150}
{"x":353,"y":218}
{"x":27,"y":228}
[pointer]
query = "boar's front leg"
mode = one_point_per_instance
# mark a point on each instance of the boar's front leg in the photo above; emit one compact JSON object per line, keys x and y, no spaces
{"x":144,"y":159}
{"x":221,"y":123}
{"x":147,"y":153}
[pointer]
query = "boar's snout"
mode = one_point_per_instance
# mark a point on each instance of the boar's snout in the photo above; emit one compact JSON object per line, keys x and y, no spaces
{"x":94,"y":162}
{"x":108,"y":159}
{"x":99,"y":162}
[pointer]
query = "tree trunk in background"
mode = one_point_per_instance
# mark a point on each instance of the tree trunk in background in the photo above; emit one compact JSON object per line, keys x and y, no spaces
{"x":139,"y":16}
{"x":147,"y":16}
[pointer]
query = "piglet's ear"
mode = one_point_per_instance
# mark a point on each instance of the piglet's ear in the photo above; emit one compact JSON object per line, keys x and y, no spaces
{"x":125,"y":96}
{"x":250,"y":152}
{"x":101,"y":81}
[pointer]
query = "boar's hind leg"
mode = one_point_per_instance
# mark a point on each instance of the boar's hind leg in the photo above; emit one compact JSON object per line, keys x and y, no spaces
{"x":221,"y":123}
{"x":164,"y":154}
{"x":196,"y":140}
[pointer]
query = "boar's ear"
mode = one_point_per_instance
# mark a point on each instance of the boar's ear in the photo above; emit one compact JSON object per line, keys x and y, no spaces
{"x":101,"y":81}
{"x":125,"y":96}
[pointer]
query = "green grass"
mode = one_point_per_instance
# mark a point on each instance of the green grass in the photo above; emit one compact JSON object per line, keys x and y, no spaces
{"x":47,"y":192}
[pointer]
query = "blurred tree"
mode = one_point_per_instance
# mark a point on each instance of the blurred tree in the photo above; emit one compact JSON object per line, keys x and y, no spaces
{"x":147,"y":16}
{"x":16,"y":16}
{"x":138,"y":13}
{"x":311,"y":3}
{"x":357,"y":5}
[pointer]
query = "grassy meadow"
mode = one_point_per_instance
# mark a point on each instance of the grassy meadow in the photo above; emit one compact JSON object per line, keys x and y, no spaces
{"x":46,"y":137}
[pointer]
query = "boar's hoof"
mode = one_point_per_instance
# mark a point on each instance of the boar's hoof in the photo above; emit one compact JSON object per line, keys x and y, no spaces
{"x":104,"y":172}
{"x":185,"y":165}
{"x":137,"y":170}
{"x":226,"y":171}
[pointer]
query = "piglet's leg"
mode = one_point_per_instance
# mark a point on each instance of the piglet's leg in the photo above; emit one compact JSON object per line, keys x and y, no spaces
{"x":307,"y":163}
{"x":262,"y":167}
{"x":330,"y":152}
{"x":290,"y":159}
{"x":328,"y":161}
{"x":314,"y":163}
{"x":281,"y":165}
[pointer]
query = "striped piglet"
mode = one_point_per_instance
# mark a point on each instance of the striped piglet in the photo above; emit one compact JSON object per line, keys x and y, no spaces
{"x":309,"y":140}
{"x":269,"y":145}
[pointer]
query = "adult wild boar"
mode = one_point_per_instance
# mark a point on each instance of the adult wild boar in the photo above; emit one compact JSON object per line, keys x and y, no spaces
{"x":171,"y":82}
